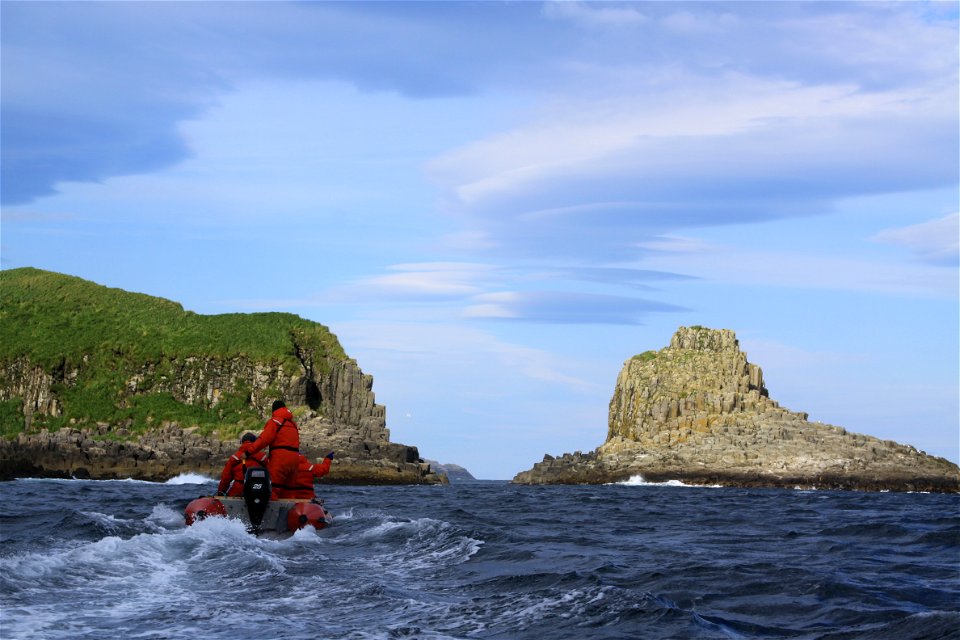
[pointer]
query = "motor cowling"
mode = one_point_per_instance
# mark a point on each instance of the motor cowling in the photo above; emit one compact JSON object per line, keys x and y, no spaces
{"x":305,"y":514}
{"x":203,"y":507}
{"x":256,"y":495}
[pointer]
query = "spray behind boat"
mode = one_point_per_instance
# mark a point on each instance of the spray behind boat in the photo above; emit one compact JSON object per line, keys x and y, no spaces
{"x":258,"y":510}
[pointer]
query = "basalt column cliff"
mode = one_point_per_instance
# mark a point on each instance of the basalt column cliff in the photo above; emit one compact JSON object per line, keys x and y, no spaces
{"x":698,"y":412}
{"x":105,"y":383}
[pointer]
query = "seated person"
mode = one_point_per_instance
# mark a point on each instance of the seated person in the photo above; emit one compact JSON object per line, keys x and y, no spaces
{"x":236,"y":468}
{"x":307,"y":472}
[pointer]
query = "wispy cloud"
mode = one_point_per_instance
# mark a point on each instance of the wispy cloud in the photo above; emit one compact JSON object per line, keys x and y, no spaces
{"x":423,"y":281}
{"x":778,"y":355}
{"x":84,"y":109}
{"x":482,"y":291}
{"x":935,"y":242}
{"x":811,"y":271}
{"x":553,"y":307}
{"x":595,"y":16}
{"x":401,"y":346}
{"x":596,"y":179}
{"x":34,"y":215}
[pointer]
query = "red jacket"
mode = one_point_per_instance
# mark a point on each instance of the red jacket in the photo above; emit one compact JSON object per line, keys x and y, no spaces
{"x":236,"y":468}
{"x":280,"y":432}
{"x":307,"y":472}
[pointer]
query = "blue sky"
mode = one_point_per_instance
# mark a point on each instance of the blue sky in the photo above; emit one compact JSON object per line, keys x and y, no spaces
{"x":493,"y":205}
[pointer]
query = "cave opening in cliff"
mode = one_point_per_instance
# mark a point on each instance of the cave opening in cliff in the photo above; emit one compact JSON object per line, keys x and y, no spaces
{"x":313,"y":396}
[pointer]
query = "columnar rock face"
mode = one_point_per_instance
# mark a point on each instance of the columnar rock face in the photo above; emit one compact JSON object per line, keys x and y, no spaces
{"x":335,"y":407}
{"x":104,"y":383}
{"x":698,"y":411}
{"x":339,"y":389}
{"x":170,"y":450}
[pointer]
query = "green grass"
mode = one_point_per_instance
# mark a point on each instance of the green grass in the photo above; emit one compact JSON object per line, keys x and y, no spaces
{"x":11,"y":419}
{"x":63,"y":323}
{"x":53,"y":317}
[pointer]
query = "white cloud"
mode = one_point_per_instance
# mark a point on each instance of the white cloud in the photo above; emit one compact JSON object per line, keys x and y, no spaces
{"x":591,"y":177}
{"x":777,"y":355}
{"x":432,"y":347}
{"x":10,"y":215}
{"x":936,"y":241}
{"x":677,"y":244}
{"x":432,"y":279}
{"x":794,"y":269}
{"x":595,"y":15}
{"x":692,"y":24}
{"x":478,"y":291}
{"x":564,"y":307}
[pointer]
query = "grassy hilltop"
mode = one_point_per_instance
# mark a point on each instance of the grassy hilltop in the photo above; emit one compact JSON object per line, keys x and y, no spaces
{"x":91,"y":340}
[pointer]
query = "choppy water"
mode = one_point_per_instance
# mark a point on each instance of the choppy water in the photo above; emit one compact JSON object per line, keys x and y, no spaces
{"x":88,"y":559}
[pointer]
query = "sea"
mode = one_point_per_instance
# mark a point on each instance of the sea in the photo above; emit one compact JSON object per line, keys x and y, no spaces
{"x":113,"y":559}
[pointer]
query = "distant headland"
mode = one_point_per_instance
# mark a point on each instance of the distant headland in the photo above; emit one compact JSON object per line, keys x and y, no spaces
{"x":103,"y":383}
{"x":698,"y":412}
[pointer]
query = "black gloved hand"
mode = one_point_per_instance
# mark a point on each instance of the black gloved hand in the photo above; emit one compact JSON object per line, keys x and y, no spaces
{"x":329,"y":455}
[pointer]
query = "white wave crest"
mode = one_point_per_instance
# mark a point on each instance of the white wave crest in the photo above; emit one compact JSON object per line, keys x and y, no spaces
{"x":164,"y":517}
{"x":424,"y":543}
{"x":189,"y":478}
{"x":109,"y":522}
{"x":639,"y":481}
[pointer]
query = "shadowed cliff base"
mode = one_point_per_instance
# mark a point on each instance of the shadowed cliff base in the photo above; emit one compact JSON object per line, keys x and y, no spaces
{"x":697,"y":411}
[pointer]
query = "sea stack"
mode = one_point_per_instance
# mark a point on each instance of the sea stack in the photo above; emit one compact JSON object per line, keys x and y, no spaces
{"x":697,"y":411}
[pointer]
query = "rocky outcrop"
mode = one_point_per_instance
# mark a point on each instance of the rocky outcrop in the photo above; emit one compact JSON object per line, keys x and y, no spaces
{"x":107,"y":453}
{"x":337,"y":388}
{"x":103,"y":383}
{"x":698,"y":411}
{"x":336,"y":402}
{"x":454,"y":472}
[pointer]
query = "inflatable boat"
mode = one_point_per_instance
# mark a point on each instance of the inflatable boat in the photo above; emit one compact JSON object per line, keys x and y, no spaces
{"x":257,"y":510}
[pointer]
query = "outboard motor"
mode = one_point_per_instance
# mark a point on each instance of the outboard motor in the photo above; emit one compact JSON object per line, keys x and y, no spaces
{"x":256,"y":495}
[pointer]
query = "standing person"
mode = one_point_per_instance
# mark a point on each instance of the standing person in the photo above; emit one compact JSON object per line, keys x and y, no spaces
{"x":235,"y":469}
{"x":281,"y":434}
{"x":307,"y":472}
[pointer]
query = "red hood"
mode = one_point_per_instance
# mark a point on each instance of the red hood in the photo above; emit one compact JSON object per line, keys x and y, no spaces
{"x":282,"y":414}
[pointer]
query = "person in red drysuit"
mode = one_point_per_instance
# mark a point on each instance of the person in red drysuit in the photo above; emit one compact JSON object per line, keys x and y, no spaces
{"x":307,"y":472}
{"x":281,"y":434}
{"x":236,"y":468}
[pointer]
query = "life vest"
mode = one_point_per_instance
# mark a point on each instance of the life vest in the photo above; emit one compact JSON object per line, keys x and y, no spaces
{"x":280,"y":433}
{"x":288,"y":435}
{"x":307,"y":472}
{"x":236,"y":468}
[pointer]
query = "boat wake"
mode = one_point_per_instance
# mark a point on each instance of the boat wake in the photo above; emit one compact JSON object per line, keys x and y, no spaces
{"x":111,"y":559}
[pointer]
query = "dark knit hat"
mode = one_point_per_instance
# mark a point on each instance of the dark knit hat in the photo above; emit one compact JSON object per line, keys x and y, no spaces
{"x":248,"y":437}
{"x":277,"y":404}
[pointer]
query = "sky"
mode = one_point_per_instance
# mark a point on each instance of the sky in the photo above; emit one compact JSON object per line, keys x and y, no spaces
{"x":493,"y":205}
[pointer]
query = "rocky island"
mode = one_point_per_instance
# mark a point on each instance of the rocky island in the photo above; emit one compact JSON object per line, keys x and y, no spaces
{"x":454,"y":472}
{"x":104,"y":383}
{"x":697,"y":411}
